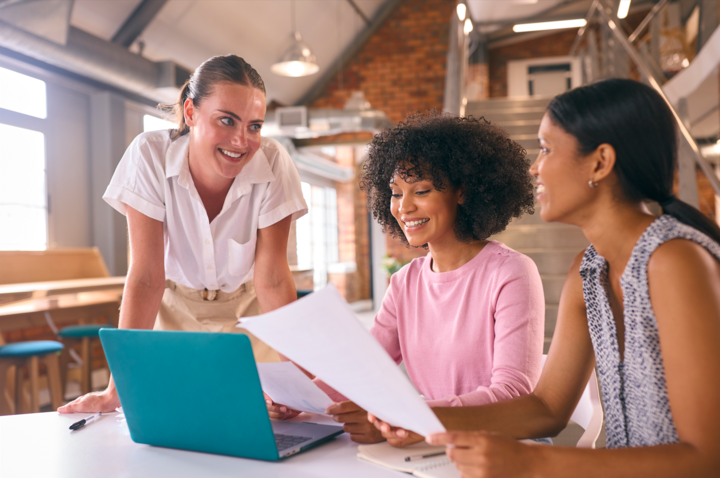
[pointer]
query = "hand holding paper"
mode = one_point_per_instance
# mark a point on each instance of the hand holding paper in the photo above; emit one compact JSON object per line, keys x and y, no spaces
{"x":286,"y":384}
{"x":321,"y":334}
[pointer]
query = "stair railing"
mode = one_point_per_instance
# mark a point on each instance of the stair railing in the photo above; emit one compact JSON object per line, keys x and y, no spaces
{"x":645,"y":70}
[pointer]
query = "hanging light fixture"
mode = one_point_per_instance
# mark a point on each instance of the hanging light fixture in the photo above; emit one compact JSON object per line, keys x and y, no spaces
{"x":298,"y":59}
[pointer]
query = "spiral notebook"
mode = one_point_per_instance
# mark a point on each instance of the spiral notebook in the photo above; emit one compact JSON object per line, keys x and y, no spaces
{"x":394,"y":458}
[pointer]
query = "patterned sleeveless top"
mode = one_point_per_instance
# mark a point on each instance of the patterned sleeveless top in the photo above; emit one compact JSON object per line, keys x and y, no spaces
{"x":634,"y":392}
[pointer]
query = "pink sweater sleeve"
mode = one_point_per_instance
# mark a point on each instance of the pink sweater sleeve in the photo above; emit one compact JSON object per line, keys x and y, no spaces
{"x":519,"y":329}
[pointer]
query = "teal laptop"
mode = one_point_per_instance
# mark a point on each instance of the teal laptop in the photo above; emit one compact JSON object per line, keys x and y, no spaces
{"x":200,"y":391}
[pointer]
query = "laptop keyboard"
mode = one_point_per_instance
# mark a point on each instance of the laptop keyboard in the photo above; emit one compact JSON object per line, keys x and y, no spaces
{"x":284,"y":442}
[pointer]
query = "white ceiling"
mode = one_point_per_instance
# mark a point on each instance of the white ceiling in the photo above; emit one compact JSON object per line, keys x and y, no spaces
{"x":191,"y":31}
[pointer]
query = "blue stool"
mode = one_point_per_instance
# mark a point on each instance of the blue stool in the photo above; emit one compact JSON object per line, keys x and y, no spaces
{"x":82,"y":333}
{"x":23,"y":354}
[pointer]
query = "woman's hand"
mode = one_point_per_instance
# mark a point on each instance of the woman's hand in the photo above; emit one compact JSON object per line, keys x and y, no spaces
{"x":355,"y":422}
{"x":279,"y":412}
{"x":488,"y":455}
{"x":105,"y":401}
{"x":395,"y":436}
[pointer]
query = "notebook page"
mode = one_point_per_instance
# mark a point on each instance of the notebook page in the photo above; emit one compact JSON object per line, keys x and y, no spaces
{"x":394,"y":458}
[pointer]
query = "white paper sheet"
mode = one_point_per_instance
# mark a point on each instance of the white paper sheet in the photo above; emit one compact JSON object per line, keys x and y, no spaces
{"x":287,"y":385}
{"x":321,"y":334}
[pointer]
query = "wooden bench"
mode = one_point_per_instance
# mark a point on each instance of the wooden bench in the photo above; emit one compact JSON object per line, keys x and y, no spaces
{"x":35,"y":284}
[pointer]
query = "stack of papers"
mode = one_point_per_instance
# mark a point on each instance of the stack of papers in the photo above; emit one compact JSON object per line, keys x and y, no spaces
{"x":321,"y":334}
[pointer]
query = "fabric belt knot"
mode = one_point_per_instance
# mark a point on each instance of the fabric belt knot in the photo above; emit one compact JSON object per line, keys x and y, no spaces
{"x":210,"y":294}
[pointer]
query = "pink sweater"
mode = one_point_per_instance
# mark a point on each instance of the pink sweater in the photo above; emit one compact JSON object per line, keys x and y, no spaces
{"x":470,"y":336}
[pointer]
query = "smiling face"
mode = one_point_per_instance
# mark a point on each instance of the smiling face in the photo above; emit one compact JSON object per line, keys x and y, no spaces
{"x":562,"y":175}
{"x":224,"y":131}
{"x":426,"y":215}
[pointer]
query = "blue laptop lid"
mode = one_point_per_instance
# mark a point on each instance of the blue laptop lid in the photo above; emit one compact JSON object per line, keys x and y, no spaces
{"x":190,"y":390}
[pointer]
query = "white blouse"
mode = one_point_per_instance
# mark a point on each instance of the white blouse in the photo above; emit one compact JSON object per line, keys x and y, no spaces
{"x":154,"y":178}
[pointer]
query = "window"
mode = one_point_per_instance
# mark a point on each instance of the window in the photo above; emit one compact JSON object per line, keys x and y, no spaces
{"x":23,"y":211}
{"x":23,"y":94}
{"x":317,"y":232}
{"x":153,"y":123}
{"x":23,"y":195}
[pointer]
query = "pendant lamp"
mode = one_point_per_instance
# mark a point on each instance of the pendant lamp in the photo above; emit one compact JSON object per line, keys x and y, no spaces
{"x":298,"y":59}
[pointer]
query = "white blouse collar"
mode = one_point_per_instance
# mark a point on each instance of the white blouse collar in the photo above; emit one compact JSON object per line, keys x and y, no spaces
{"x":258,"y":170}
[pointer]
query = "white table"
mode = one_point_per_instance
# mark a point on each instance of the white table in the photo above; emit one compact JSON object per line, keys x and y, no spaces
{"x":40,"y":445}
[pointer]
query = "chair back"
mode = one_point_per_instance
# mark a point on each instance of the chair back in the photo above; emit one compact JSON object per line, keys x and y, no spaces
{"x":588,"y":412}
{"x":51,"y":265}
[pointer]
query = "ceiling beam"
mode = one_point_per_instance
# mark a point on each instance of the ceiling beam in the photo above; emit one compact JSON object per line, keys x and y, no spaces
{"x":359,"y":12}
{"x":138,"y":20}
{"x":317,"y":90}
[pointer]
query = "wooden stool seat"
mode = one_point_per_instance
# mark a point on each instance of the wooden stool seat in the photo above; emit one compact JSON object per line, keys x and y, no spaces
{"x":27,"y":349}
{"x":19,"y":355}
{"x":80,"y":331}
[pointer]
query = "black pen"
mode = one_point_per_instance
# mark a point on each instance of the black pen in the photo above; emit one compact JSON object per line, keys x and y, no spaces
{"x":78,"y":425}
{"x":421,"y":457}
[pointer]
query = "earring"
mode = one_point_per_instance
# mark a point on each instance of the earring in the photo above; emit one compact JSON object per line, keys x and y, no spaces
{"x":592,"y":184}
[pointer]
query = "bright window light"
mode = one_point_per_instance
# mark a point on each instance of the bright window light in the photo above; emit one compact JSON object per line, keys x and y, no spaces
{"x":317,"y":232}
{"x":536,"y":27}
{"x":23,"y":94}
{"x":153,"y":123}
{"x":23,"y":211}
{"x":624,"y":8}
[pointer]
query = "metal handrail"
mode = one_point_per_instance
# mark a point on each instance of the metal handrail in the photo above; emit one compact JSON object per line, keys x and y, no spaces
{"x":646,"y":21}
{"x":581,"y":32}
{"x":645,"y":70}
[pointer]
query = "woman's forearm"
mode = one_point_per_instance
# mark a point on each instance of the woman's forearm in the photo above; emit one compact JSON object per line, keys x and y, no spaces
{"x":679,"y":459}
{"x":275,"y":291}
{"x":141,"y":302}
{"x":522,"y":417}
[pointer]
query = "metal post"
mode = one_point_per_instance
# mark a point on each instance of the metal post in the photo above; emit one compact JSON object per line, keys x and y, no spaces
{"x":687,"y":177}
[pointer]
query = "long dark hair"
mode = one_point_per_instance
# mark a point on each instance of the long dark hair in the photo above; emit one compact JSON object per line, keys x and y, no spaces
{"x":636,"y":121}
{"x":229,"y":68}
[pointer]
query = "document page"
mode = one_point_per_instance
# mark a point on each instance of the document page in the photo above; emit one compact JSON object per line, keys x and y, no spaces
{"x":321,"y":334}
{"x":286,"y":384}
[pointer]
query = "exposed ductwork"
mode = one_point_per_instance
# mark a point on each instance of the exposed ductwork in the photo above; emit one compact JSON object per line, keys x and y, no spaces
{"x":107,"y":62}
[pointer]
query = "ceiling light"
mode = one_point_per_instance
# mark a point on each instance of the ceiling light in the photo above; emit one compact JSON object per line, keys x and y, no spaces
{"x":298,"y":60}
{"x":468,"y":27}
{"x":461,"y":11}
{"x":536,"y":27}
{"x":624,"y":8}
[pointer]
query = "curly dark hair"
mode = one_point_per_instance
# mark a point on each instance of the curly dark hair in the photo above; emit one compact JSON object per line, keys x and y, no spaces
{"x":468,"y":153}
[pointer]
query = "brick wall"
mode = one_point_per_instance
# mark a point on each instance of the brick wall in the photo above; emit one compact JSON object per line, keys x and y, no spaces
{"x":401,"y":70}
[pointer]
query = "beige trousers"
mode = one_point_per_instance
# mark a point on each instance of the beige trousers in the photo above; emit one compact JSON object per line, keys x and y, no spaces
{"x":190,"y":310}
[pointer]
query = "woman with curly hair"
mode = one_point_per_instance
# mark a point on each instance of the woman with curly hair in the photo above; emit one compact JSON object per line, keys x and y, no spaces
{"x":467,"y":319}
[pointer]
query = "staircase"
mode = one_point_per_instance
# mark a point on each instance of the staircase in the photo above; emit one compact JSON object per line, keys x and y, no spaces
{"x":551,"y":246}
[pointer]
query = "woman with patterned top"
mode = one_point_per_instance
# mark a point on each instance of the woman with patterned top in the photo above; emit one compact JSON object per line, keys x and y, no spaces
{"x":642,"y":304}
